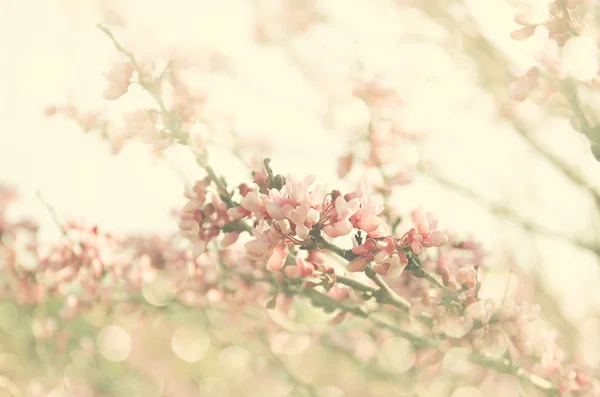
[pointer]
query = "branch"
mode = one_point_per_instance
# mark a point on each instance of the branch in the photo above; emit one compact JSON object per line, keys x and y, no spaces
{"x":507,"y":212}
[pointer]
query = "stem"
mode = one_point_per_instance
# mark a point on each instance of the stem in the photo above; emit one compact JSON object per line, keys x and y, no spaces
{"x":355,"y":284}
{"x":419,"y":271}
{"x":137,"y":67}
{"x":385,"y":294}
{"x":324,"y":244}
{"x":221,"y":187}
{"x":349,"y":255}
{"x":568,"y":18}
{"x":504,"y":366}
{"x":506,"y":211}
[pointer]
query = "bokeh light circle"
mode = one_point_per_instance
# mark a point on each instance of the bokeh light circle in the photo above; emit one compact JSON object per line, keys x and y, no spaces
{"x":396,"y":355}
{"x":190,"y":345}
{"x":114,"y":343}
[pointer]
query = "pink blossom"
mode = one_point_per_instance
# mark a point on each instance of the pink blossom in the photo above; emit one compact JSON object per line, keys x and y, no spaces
{"x":523,"y":33}
{"x":340,"y":224}
{"x":118,"y":77}
{"x":277,"y":259}
{"x":190,"y":226}
{"x":338,"y":229}
{"x":345,"y":209}
{"x":425,"y":234}
{"x":261,"y":177}
{"x":274,"y":210}
{"x":358,"y":264}
{"x":437,"y":238}
{"x":301,"y":270}
{"x":253,"y":201}
{"x":192,"y":205}
{"x":365,"y":248}
{"x":302,"y":232}
{"x":229,"y":239}
{"x":257,"y":249}
{"x":367,"y":218}
{"x":467,"y":276}
{"x":238,"y":212}
{"x":390,"y":265}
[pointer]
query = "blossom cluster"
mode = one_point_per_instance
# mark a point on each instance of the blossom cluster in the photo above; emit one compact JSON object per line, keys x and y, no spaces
{"x":291,"y":215}
{"x":569,"y":50}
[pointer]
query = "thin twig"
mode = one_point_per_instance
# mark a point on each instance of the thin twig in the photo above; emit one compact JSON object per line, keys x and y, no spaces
{"x":53,"y":213}
{"x":507,"y":212}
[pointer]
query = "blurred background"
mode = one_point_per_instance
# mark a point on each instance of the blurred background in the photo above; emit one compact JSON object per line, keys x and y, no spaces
{"x":278,"y":74}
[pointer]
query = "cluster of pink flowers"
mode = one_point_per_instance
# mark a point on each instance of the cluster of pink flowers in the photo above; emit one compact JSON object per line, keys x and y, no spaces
{"x":84,"y":269}
{"x":158,"y":127}
{"x":389,"y":254}
{"x":88,"y":258}
{"x":385,"y":135}
{"x":282,"y":218}
{"x":426,"y":234}
{"x":286,"y":216}
{"x":565,"y":40}
{"x":89,"y":267}
{"x":555,"y":20}
{"x":202,"y":221}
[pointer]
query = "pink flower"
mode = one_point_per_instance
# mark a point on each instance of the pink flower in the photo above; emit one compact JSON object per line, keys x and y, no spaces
{"x":253,"y":201}
{"x":390,"y":265}
{"x":229,"y":239}
{"x":437,"y":238}
{"x":274,"y":211}
{"x":299,"y":188}
{"x":359,"y":264}
{"x":345,"y":209}
{"x":301,"y":270}
{"x":261,"y":177}
{"x":425,"y":234}
{"x":367,"y":218}
{"x":340,"y":224}
{"x":118,"y":77}
{"x":238,"y":212}
{"x":257,"y":249}
{"x":198,"y":191}
{"x":192,"y":205}
{"x":190,"y":227}
{"x":415,"y":240}
{"x":467,"y":276}
{"x":338,"y":229}
{"x":339,"y":293}
{"x":277,"y":259}
{"x":523,"y":33}
{"x":296,"y":215}
{"x":366,"y":248}
{"x":283,"y":226}
{"x":302,"y":232}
